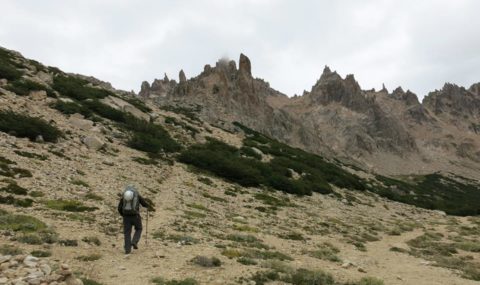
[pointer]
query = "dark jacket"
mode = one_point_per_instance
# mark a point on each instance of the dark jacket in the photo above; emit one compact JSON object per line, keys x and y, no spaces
{"x":140,"y":200}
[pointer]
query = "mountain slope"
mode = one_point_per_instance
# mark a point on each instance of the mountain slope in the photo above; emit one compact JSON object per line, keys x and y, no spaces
{"x":75,"y":142}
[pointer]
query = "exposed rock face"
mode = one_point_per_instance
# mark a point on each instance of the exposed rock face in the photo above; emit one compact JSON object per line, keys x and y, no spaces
{"x":182,"y":77}
{"x":391,"y":132}
{"x":454,"y":100}
{"x":245,"y":65}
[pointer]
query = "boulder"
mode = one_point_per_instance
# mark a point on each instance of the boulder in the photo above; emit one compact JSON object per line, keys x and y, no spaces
{"x":80,"y":123}
{"x":93,"y":142}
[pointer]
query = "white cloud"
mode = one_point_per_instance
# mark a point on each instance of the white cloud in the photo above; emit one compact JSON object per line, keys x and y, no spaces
{"x":416,"y":44}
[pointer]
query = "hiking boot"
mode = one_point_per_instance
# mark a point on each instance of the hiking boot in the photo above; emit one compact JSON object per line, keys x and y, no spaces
{"x":127,"y":252}
{"x":135,"y":246}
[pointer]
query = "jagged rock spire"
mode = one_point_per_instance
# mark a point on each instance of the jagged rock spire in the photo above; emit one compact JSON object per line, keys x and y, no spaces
{"x":244,"y":64}
{"x":182,"y":76}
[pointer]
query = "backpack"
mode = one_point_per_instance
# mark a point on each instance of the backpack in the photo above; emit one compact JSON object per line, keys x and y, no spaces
{"x":131,"y":206}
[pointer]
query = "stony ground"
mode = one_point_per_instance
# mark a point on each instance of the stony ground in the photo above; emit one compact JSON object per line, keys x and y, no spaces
{"x":200,"y":218}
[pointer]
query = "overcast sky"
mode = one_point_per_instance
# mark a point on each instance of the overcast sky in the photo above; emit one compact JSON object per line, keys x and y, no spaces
{"x":418,"y":44}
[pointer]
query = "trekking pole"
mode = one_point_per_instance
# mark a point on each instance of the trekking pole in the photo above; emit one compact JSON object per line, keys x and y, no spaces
{"x":146,"y":231}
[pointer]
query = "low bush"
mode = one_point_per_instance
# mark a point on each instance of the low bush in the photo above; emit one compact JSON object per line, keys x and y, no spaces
{"x":206,"y":261}
{"x":87,"y":281}
{"x":69,"y":108}
{"x":69,"y":206}
{"x":28,"y":127}
{"x":31,"y":155}
{"x":77,"y":88}
{"x":89,"y":258}
{"x":10,"y":250}
{"x":8,"y":67}
{"x":23,"y":87}
{"x":41,"y":253}
{"x":14,"y":188}
{"x":163,"y":281}
{"x":92,"y":240}
{"x":370,"y":281}
{"x":11,"y":200}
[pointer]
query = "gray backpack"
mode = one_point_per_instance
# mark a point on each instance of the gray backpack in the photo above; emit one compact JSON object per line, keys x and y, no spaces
{"x":131,"y":204}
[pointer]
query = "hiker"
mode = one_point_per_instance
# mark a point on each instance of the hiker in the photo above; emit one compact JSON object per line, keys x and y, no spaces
{"x":129,"y":209}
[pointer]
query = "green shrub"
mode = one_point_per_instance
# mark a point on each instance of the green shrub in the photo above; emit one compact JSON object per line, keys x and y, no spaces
{"x":87,"y":281}
{"x":69,"y":108}
{"x":8,"y":68}
{"x":139,"y":104}
{"x":370,"y":281}
{"x":247,"y":261}
{"x":308,"y":277}
{"x":23,"y":87}
{"x":11,"y":200}
{"x":206,"y":261}
{"x":14,"y":188}
{"x":89,"y":258}
{"x":79,"y":182}
{"x":77,"y":88}
{"x":31,"y":155}
{"x":92,"y":240}
{"x":10,"y":250}
{"x":20,"y":223}
{"x":69,"y":206}
{"x":163,"y":281}
{"x":68,"y":242}
{"x":41,"y":253}
{"x":27,"y":127}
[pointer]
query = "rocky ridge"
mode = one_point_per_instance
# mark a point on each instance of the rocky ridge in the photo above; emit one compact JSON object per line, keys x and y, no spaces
{"x":392,"y":133}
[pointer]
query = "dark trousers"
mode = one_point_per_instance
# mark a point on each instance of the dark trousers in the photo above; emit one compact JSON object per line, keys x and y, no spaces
{"x":128,"y":223}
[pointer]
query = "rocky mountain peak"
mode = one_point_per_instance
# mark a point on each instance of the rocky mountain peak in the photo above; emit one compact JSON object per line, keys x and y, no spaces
{"x":328,"y":75}
{"x":408,"y":97}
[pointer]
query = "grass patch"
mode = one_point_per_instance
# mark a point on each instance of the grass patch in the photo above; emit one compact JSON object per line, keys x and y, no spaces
{"x":31,"y":155}
{"x":10,"y":250}
{"x":326,"y":251}
{"x":11,"y":200}
{"x":87,"y":281}
{"x":23,"y":87}
{"x":79,"y":182}
{"x":69,"y":206}
{"x":194,"y":215}
{"x":14,"y":188}
{"x":89,"y":257}
{"x":163,"y":281}
{"x":92,"y":240}
{"x":41,"y":253}
{"x":205,"y":261}
{"x":93,"y":196}
{"x":24,"y":126}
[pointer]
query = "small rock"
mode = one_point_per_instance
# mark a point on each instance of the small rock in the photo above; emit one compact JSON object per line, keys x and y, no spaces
{"x":3,"y":280}
{"x":362,"y":270}
{"x":46,"y":269}
{"x":30,"y":261}
{"x":73,"y":281}
{"x":39,"y":139}
{"x":122,"y":268}
{"x":5,"y":258}
{"x":93,"y":142}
